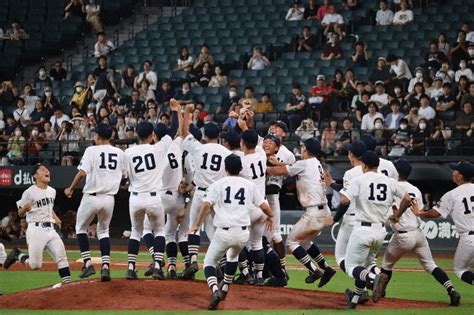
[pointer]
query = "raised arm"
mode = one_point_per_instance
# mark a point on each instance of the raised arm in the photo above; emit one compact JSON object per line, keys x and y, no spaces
{"x":77,"y":180}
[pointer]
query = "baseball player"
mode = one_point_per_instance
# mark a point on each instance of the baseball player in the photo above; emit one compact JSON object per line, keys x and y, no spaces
{"x":231,"y":140}
{"x":408,"y":237}
{"x":103,"y":167}
{"x":208,"y":162}
{"x":311,"y":192}
{"x":459,"y":204}
{"x":232,"y":197}
{"x":3,"y":254}
{"x":373,"y":193}
{"x":145,"y":173}
{"x":386,"y":167}
{"x":37,"y":204}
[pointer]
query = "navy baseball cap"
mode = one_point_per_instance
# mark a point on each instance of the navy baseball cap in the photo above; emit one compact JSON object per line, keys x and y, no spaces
{"x":144,"y":129}
{"x":369,"y":141}
{"x":161,"y":130}
{"x":357,"y":148}
{"x":274,"y":138}
{"x":370,"y":159}
{"x":233,"y":163}
{"x":211,"y":130}
{"x":465,"y":168}
{"x":250,"y":136}
{"x":280,"y":124}
{"x":196,"y":132}
{"x":104,"y":131}
{"x":233,"y":138}
{"x":403,"y":167}
{"x":313,"y":146}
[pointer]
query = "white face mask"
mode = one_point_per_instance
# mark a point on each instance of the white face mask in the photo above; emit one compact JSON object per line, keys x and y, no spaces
{"x":18,"y":133}
{"x":42,"y":73}
{"x":79,"y":89}
{"x":48,"y":93}
{"x":34,"y":133}
{"x":378,"y":125}
{"x":422,"y":126}
{"x":232,"y":94}
{"x":403,"y":127}
{"x":397,"y":90}
{"x":419,"y":75}
{"x":471,"y":52}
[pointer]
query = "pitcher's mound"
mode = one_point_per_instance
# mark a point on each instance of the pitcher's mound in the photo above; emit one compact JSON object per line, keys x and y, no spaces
{"x":121,"y":294}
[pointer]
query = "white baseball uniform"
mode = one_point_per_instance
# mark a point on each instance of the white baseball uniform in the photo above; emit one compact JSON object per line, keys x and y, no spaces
{"x":459,"y":204}
{"x":232,"y":198}
{"x":208,"y":160}
{"x":311,"y":192}
{"x":104,"y":166}
{"x":387,"y":168}
{"x":373,"y":194}
{"x":3,"y":254}
{"x":407,"y":235}
{"x":145,"y":172}
{"x":347,"y":224}
{"x":41,"y":233}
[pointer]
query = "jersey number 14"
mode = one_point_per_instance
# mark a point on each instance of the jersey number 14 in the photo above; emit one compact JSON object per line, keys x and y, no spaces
{"x":240,"y":196}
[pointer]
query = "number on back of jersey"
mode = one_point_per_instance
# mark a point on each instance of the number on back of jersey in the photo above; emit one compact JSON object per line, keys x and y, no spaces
{"x":239,"y":196}
{"x":214,"y":162}
{"x":142,"y":163}
{"x":172,"y":160}
{"x":108,"y":161}
{"x":468,"y":205}
{"x":378,"y":192}
{"x":257,"y":171}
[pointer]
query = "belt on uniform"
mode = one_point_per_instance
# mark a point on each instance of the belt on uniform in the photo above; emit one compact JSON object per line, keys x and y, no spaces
{"x":153,"y":194}
{"x":96,"y":194}
{"x":44,"y":224}
{"x":169,"y":193}
{"x":242,"y":227}
{"x":320,"y":207}
{"x":352,"y":214}
{"x":470,"y":233}
{"x":201,"y":188}
{"x":401,"y":232}
{"x":369,"y":224}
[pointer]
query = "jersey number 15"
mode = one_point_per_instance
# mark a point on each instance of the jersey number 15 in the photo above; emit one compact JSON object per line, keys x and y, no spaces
{"x":110,"y":162}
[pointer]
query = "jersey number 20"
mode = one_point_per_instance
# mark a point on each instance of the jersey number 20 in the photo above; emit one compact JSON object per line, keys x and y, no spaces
{"x":240,"y":196}
{"x":110,"y":162}
{"x":149,"y":160}
{"x":381,"y":192}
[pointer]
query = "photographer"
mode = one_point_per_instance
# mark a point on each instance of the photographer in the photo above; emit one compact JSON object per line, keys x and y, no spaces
{"x":307,"y":130}
{"x":258,"y":60}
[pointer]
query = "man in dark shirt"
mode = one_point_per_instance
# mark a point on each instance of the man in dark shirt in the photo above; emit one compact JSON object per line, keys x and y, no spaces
{"x":447,"y":100}
{"x":381,"y":73}
{"x":135,"y":105}
{"x":308,"y":41}
{"x":433,"y":58}
{"x":10,"y":125}
{"x":333,"y":49}
{"x":458,"y":51}
{"x":103,"y":66}
{"x":57,"y":72}
{"x":465,"y":118}
{"x":165,"y":94}
{"x":185,"y":96}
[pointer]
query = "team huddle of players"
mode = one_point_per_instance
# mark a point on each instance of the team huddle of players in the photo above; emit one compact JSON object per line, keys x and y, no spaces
{"x":229,"y":185}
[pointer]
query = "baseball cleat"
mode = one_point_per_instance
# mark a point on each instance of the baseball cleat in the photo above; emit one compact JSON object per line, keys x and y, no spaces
{"x":87,"y":272}
{"x":326,"y":277}
{"x":379,"y":284}
{"x":131,"y":275}
{"x":287,"y":276}
{"x":190,"y":270}
{"x":313,"y":276}
{"x":276,"y":282}
{"x":259,"y":282}
{"x":242,"y":279}
{"x":11,"y":258}
{"x":158,"y":274}
{"x":455,"y":298}
{"x":149,"y":270}
{"x":182,"y":276}
{"x":105,"y":275}
{"x":215,"y":300}
{"x":172,"y":274}
{"x":348,"y":294}
{"x":364,"y":298}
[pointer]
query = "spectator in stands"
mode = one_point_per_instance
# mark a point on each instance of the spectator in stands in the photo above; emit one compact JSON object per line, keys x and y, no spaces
{"x":231,"y":121}
{"x":16,"y":147}
{"x":295,"y":107}
{"x":103,"y":46}
{"x":469,"y":34}
{"x":349,"y":84}
{"x":248,"y":101}
{"x":445,"y":73}
{"x":10,"y":126}
{"x":265,"y":106}
{"x":337,"y":83}
{"x":470,"y":51}
{"x":136,"y":105}
{"x":75,"y":8}
{"x":218,"y":79}
{"x":404,"y":16}
{"x":419,"y":72}
{"x":381,"y":135}
{"x":400,"y":69}
{"x":185,"y":95}
{"x":57,"y":72}
{"x":384,"y":16}
{"x":21,"y":113}
{"x":165,"y":94}
{"x":185,"y":61}
{"x":380,"y":98}
{"x":436,"y":143}
{"x":443,"y":44}
{"x":328,"y":138}
{"x":465,"y":117}
{"x":128,"y":76}
{"x":69,"y":138}
{"x":345,"y":136}
{"x":93,"y":17}
{"x":462,"y":88}
{"x":437,"y":89}
{"x":331,"y":29}
{"x":425,"y":110}
{"x":258,"y":61}
{"x":39,"y":116}
{"x":23,"y":228}
{"x":42,"y":80}
{"x":34,"y":147}
{"x":319,"y":100}
{"x":332,"y":50}
{"x":307,"y":42}
{"x":147,"y":74}
{"x":458,"y":51}
{"x":414,"y":97}
{"x":204,"y":76}
{"x":151,"y":115}
{"x":361,"y":106}
{"x":360,"y":88}
{"x":228,"y":100}
{"x":49,"y":134}
{"x":145,"y":91}
{"x":29,"y":97}
{"x":427,"y":85}
{"x":322,"y":11}
{"x":102,"y":66}
{"x":398,"y":95}
{"x":58,"y":119}
{"x":331,"y":18}
{"x":413,"y":117}
{"x":468,"y":98}
{"x":446,"y":101}
{"x":311,"y":10}
{"x":381,"y":72}
{"x":392,"y":120}
{"x":369,"y":118}
{"x":307,"y":130}
{"x":8,"y":94}
{"x":463,"y":71}
{"x":296,"y":12}
{"x":402,"y":136}
{"x":360,"y":57}
{"x":165,"y":119}
{"x":195,"y":120}
{"x":204,"y":56}
{"x":80,"y":95}
{"x":433,"y":58}
{"x":350,"y":4}
{"x":15,"y":32}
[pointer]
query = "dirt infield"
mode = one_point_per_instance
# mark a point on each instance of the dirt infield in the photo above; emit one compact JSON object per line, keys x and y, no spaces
{"x":121,"y":294}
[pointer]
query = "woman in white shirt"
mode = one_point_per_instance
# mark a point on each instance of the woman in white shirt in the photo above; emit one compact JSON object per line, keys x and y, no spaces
{"x":403,"y":16}
{"x":21,"y":114}
{"x":29,"y":97}
{"x":185,"y":61}
{"x":295,"y":13}
{"x":463,"y":71}
{"x":369,"y":118}
{"x":93,"y":16}
{"x":218,"y":79}
{"x":258,"y":60}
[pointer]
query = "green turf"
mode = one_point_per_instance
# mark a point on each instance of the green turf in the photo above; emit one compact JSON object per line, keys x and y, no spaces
{"x":407,"y":285}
